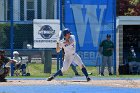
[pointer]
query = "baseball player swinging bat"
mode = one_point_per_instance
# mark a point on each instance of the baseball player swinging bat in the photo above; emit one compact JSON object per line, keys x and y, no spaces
{"x":68,"y":44}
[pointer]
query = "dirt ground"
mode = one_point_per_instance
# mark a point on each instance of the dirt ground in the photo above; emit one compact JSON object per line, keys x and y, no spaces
{"x":111,"y":83}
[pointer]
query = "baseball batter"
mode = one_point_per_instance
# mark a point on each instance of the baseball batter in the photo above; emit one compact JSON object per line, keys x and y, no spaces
{"x":69,"y":46}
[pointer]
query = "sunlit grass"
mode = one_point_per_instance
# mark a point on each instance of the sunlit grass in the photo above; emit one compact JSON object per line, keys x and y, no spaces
{"x":37,"y":71}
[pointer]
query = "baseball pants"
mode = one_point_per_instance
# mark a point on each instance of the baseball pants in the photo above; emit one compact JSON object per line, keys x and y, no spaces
{"x":68,"y":59}
{"x":106,"y":60}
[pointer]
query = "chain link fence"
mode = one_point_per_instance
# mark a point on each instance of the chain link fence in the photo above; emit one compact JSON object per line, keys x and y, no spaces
{"x":24,"y":12}
{"x":90,"y":22}
{"x":72,"y":14}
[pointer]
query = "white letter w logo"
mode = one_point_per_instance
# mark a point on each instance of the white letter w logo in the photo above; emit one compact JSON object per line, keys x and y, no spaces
{"x":91,"y":17}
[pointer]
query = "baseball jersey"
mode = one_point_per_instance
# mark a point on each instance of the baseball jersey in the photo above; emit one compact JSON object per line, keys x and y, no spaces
{"x":107,"y":44}
{"x":69,"y":49}
{"x":17,"y":60}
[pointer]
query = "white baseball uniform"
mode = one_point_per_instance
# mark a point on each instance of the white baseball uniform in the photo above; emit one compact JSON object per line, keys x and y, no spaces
{"x":70,"y":53}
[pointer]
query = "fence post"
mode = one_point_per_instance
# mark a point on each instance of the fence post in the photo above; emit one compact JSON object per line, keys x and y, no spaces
{"x":48,"y":61}
{"x":11,"y":35}
{"x":61,"y":23}
{"x":57,"y":61}
{"x":115,"y":70}
{"x":58,"y":17}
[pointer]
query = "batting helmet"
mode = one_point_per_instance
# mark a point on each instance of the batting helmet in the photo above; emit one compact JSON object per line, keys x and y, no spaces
{"x":66,"y":31}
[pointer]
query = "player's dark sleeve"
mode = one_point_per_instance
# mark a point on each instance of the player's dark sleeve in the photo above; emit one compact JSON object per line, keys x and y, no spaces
{"x":1,"y":62}
{"x":6,"y":59}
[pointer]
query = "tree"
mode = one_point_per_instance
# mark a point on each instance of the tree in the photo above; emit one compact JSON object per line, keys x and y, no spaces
{"x":22,"y":33}
{"x":3,"y":37}
{"x":128,"y":7}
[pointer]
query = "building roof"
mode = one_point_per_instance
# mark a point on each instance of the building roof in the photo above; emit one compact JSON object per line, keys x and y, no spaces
{"x":127,"y":20}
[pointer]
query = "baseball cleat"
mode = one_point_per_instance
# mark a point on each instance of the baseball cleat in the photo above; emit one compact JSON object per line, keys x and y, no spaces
{"x":50,"y":78}
{"x":88,"y":79}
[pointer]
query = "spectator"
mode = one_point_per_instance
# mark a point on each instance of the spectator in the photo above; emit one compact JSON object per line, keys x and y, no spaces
{"x":18,"y":63}
{"x":17,"y":60}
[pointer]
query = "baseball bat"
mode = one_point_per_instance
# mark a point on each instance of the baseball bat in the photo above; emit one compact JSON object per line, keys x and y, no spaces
{"x":58,"y":40}
{"x":59,"y":36}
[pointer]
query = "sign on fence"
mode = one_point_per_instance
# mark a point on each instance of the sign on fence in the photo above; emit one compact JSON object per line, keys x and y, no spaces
{"x":46,"y":32}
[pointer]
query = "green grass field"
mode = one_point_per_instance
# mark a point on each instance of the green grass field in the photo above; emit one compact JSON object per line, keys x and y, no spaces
{"x":37,"y":71}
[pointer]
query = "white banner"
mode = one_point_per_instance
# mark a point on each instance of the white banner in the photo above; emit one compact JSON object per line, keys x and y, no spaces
{"x":46,"y":32}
